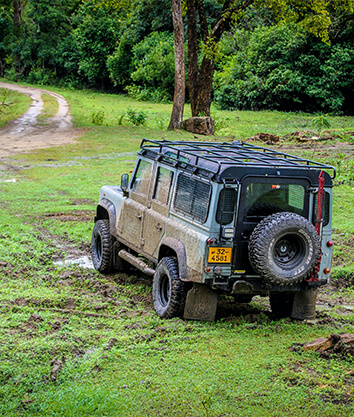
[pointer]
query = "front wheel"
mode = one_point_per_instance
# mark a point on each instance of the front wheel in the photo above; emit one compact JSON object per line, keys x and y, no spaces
{"x":102,"y":247}
{"x":168,"y":290}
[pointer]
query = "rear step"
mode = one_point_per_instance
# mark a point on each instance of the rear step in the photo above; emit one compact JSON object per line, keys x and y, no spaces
{"x":137,"y":262}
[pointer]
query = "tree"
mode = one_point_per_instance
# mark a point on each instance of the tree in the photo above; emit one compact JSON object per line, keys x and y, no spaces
{"x":179,"y":93}
{"x":313,"y":15}
{"x":18,"y":7}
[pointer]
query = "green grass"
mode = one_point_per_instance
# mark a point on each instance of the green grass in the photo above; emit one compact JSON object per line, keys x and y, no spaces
{"x":50,"y":108}
{"x":115,"y":356}
{"x":12,"y":105}
{"x":238,"y":125}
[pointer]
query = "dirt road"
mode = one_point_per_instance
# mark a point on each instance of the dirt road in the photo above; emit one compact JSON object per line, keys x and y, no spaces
{"x":25,"y":134}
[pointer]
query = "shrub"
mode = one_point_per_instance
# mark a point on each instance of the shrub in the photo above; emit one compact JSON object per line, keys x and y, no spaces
{"x":97,"y":117}
{"x":137,"y":118}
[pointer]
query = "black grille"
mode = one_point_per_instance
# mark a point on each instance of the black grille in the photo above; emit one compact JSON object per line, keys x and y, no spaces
{"x":226,"y":206}
{"x":192,"y":197}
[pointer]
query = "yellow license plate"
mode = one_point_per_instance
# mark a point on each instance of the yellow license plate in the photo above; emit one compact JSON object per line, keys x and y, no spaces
{"x":219,"y":255}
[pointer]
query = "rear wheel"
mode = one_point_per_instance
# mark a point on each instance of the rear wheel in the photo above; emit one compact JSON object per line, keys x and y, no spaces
{"x":102,"y":247}
{"x":168,"y":291}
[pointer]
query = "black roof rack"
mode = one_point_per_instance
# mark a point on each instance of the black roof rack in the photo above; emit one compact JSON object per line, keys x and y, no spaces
{"x":214,"y":157}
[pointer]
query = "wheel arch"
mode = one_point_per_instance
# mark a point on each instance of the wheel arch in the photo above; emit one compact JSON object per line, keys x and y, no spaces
{"x":171,"y":246}
{"x":106,"y":210}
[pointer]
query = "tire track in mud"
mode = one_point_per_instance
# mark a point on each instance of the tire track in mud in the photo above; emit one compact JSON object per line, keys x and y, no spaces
{"x":25,"y":134}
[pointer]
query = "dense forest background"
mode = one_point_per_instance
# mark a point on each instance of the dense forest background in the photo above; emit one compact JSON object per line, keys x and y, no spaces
{"x":127,"y":47}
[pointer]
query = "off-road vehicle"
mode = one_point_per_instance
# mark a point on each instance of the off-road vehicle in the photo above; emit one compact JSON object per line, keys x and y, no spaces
{"x":204,"y":218}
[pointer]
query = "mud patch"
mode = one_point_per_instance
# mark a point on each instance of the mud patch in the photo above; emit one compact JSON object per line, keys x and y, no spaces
{"x":71,"y":216}
{"x":81,"y":201}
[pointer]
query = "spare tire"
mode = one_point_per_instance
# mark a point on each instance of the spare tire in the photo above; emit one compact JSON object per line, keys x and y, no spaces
{"x":284,"y":248}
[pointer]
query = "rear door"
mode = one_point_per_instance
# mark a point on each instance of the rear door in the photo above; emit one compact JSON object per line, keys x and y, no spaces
{"x":261,"y":197}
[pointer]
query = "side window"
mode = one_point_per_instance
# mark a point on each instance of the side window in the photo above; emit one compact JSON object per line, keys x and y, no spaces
{"x":192,"y":197}
{"x":226,"y":206}
{"x":142,"y":178}
{"x":163,"y":185}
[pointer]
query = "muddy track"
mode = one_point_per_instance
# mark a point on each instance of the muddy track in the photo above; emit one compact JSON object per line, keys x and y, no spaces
{"x":25,"y":134}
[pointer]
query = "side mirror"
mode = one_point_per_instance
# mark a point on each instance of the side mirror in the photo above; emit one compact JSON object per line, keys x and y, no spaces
{"x":124,"y":181}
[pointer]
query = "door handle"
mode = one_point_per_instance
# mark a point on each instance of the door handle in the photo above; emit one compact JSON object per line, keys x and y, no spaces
{"x":139,"y":216}
{"x":158,"y":227}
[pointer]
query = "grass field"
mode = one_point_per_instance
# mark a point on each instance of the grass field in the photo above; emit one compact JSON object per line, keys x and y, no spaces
{"x":77,"y":343}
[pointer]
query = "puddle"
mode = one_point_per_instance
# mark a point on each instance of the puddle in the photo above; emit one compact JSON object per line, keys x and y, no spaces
{"x":83,"y":261}
{"x":11,"y":180}
{"x":320,"y":306}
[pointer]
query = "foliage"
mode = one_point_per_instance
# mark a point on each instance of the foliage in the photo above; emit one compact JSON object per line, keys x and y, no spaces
{"x":96,"y":37}
{"x":282,"y":67}
{"x":97,"y":117}
{"x":153,"y":66}
{"x":137,"y":118}
{"x":105,"y":43}
{"x":147,"y":17}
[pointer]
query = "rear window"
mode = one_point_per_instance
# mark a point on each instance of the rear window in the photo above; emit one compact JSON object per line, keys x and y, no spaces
{"x":263,"y":199}
{"x":192,"y":197}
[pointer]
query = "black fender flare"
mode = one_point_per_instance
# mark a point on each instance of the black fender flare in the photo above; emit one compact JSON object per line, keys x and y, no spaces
{"x":106,"y":210}
{"x":172,"y":244}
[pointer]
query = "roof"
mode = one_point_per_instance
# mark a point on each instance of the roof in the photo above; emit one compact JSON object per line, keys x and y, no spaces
{"x":214,"y":159}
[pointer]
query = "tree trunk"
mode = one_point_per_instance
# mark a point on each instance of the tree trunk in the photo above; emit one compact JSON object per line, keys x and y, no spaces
{"x":200,"y":80}
{"x":205,"y":88}
{"x":180,"y":73}
{"x":17,"y":12}
{"x":193,"y":70}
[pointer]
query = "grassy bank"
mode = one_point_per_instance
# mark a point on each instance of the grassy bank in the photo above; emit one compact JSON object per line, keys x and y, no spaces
{"x":12,"y":105}
{"x":76,"y":343}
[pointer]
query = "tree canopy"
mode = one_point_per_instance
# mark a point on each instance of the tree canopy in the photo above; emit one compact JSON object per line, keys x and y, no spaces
{"x":243,"y":54}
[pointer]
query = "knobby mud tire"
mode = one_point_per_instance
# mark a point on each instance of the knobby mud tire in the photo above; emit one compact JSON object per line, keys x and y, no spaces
{"x":168,"y":291}
{"x":102,"y":247}
{"x":284,"y":248}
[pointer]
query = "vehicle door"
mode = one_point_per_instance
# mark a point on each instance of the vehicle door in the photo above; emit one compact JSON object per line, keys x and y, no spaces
{"x":155,"y":216}
{"x":131,"y":224}
{"x":261,"y":197}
